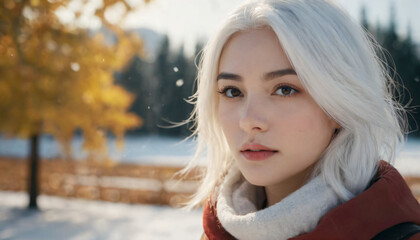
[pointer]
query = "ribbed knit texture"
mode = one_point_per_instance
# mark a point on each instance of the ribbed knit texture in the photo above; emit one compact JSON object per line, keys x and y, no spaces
{"x":239,"y":202}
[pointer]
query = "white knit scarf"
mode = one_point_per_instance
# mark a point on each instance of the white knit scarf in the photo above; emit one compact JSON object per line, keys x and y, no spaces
{"x":239,"y":202}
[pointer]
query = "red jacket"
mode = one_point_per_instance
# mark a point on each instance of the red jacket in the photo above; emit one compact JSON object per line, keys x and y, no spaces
{"x":387,"y":202}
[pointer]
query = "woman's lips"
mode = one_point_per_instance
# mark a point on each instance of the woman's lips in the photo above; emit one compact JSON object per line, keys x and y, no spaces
{"x":257,"y":155}
{"x":256,"y":152}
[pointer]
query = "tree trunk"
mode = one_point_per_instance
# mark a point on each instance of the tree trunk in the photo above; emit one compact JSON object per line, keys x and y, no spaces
{"x":33,"y":172}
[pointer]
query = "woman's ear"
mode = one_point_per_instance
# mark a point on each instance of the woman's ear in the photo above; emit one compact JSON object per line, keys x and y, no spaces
{"x":335,"y":126}
{"x":336,"y":131}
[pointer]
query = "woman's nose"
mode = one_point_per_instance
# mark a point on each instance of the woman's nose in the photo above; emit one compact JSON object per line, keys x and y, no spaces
{"x":254,"y":119}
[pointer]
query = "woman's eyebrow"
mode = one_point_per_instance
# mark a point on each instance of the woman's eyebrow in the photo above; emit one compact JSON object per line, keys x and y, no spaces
{"x":229,"y":76}
{"x":267,"y":76}
{"x":279,"y":73}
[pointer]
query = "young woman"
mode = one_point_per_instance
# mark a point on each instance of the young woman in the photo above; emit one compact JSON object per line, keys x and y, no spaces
{"x":294,"y":117}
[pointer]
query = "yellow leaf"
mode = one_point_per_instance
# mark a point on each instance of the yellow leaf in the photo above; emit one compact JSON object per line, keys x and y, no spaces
{"x":35,"y":3}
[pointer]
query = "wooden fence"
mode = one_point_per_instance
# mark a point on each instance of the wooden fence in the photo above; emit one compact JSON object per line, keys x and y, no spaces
{"x":127,"y":183}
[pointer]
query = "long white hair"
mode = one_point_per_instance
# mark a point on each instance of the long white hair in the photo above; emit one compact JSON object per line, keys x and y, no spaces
{"x":337,"y":63}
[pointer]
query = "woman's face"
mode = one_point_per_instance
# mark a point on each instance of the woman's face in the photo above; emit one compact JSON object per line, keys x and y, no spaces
{"x":274,"y":128}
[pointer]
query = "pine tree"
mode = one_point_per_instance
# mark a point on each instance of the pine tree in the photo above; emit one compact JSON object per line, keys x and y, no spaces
{"x":404,"y":61}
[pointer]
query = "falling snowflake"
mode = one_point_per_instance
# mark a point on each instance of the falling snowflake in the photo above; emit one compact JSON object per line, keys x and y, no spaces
{"x":176,"y":69}
{"x":179,"y":82}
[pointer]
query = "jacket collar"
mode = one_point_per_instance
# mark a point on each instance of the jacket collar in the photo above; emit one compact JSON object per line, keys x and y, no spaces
{"x":387,"y":202}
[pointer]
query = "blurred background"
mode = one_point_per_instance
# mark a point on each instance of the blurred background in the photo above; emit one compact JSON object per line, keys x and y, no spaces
{"x":89,"y":91}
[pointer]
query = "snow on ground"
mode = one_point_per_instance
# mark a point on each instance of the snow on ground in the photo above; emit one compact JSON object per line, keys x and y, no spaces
{"x":408,"y":164}
{"x":408,"y":160}
{"x":147,"y":150}
{"x":77,"y":219}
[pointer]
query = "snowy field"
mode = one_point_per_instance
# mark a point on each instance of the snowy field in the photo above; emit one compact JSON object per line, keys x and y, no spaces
{"x":76,"y":219}
{"x":408,"y":160}
{"x":150,"y":150}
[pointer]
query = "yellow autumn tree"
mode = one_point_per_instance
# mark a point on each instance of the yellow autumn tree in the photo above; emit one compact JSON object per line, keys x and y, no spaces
{"x":57,"y":77}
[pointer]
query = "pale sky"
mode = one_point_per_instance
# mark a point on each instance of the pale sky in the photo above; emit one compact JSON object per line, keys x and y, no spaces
{"x":185,"y":21}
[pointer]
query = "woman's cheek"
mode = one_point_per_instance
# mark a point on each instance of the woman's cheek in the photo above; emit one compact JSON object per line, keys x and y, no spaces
{"x":225,"y":117}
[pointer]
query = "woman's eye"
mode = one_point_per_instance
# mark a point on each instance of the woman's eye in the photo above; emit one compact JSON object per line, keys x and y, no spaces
{"x":230,"y":92}
{"x":285,"y":91}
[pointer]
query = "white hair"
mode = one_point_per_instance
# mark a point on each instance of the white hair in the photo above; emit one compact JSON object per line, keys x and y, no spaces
{"x":337,"y":63}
